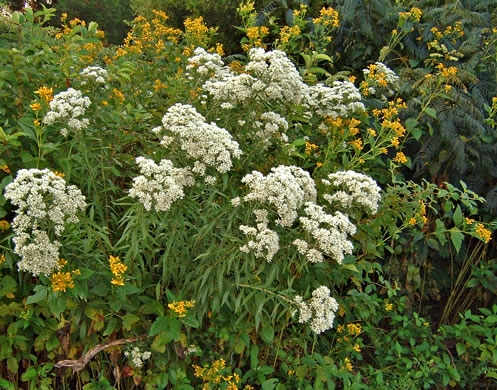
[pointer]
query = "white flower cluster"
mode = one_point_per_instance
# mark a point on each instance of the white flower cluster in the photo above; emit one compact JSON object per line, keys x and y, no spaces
{"x":341,"y":100}
{"x":271,"y":126}
{"x":270,"y":77}
{"x":265,"y":242}
{"x":44,"y":201}
{"x":94,"y":74}
{"x":206,"y":65}
{"x":329,"y":232}
{"x":287,"y":188}
{"x":319,"y":310}
{"x":353,"y":189}
{"x":137,"y":357}
{"x":208,"y":144}
{"x":68,"y":106}
{"x":159,"y":185}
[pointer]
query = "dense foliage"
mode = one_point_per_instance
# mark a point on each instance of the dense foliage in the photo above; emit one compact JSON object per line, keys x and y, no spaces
{"x":292,"y":215}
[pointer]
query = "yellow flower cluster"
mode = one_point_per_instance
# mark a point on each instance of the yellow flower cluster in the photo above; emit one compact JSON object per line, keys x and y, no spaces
{"x":196,"y":31}
{"x":310,"y":147}
{"x":117,"y":268}
{"x":327,"y":17}
{"x":159,"y":85}
{"x":447,"y":71}
{"x":214,"y":375}
{"x":35,"y":106}
{"x":287,"y":33}
{"x":2,"y":258}
{"x":450,"y":31}
{"x":400,"y":158}
{"x":414,"y":14}
{"x":119,"y":95}
{"x":63,"y":280}
{"x":180,"y":308}
{"x":347,"y":366}
{"x":45,"y":93}
{"x":149,"y":35}
{"x":483,"y":233}
{"x":255,"y":35}
{"x":4,"y":225}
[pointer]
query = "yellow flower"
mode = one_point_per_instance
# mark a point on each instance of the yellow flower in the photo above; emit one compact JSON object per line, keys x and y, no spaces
{"x":388,"y":306}
{"x":4,"y":225}
{"x":57,"y":173}
{"x":2,"y":258}
{"x":35,"y":106}
{"x":119,"y":281}
{"x":469,"y":221}
{"x":105,"y":102}
{"x":36,"y":122}
{"x":119,"y":95}
{"x":61,"y":281}
{"x":319,"y":164}
{"x":354,"y":329}
{"x":348,"y":365}
{"x":395,"y":142}
{"x":400,"y":158}
{"x":372,"y":132}
{"x":117,"y":268}
{"x":483,"y":233}
{"x":357,"y":348}
{"x":357,"y":143}
{"x":45,"y":93}
{"x":181,"y":307}
{"x":412,"y":221}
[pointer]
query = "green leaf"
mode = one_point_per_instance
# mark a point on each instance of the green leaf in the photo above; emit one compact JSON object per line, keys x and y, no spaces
{"x":129,"y":320}
{"x":457,"y":215}
{"x":29,"y":374}
{"x":461,"y":348}
{"x":160,"y":325}
{"x":431,"y":112}
{"x":111,"y":325}
{"x":190,"y":321}
{"x":270,"y":384}
{"x":52,"y":342}
{"x":267,"y":334}
{"x":457,"y":238}
{"x":41,"y":294}
{"x":254,"y":360}
{"x":5,"y":384}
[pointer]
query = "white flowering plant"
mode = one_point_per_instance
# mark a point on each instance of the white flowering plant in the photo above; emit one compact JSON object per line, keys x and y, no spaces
{"x":161,"y":195}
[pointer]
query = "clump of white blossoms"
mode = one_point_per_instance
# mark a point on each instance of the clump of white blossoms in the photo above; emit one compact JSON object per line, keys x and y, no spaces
{"x":206,"y":64}
{"x":137,"y":357}
{"x":264,"y":242}
{"x":329,"y":234}
{"x":269,"y":77}
{"x":340,"y":100}
{"x":68,"y":107}
{"x":287,"y":188}
{"x":271,"y":126}
{"x":319,"y":310}
{"x":206,"y":143}
{"x":44,"y":202}
{"x":352,"y":189}
{"x":94,"y":74}
{"x":159,"y":185}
